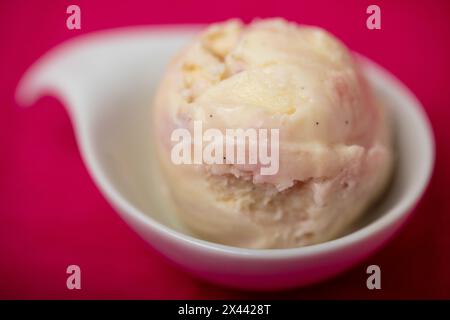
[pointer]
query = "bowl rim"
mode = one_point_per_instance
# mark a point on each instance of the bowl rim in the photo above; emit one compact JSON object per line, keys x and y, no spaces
{"x":402,"y":209}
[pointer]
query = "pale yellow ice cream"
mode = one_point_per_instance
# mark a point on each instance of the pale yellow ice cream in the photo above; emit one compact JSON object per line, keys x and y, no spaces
{"x":335,"y":147}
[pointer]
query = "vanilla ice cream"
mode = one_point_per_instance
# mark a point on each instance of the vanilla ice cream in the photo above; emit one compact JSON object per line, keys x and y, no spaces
{"x":335,"y":153}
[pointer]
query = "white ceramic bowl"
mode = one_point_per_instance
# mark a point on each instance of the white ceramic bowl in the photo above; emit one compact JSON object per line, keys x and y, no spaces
{"x":107,"y":80}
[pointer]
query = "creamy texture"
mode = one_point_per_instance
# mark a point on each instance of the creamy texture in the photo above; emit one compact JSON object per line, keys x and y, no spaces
{"x":335,"y":148}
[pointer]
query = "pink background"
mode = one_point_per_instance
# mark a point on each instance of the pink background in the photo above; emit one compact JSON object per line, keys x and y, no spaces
{"x":52,"y":215}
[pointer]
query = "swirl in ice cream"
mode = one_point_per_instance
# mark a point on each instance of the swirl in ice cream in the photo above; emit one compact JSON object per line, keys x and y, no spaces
{"x":335,"y":148}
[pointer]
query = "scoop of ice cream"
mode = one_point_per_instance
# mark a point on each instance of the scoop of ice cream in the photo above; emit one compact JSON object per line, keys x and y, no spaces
{"x":335,"y":151}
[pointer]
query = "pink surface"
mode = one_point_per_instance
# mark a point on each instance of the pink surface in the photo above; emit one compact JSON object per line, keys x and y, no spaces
{"x":52,"y":215}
